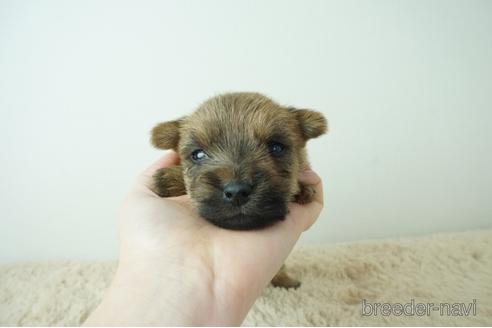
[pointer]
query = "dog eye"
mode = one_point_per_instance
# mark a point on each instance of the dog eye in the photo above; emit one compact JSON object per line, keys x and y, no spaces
{"x":198,"y":155}
{"x":276,"y":148}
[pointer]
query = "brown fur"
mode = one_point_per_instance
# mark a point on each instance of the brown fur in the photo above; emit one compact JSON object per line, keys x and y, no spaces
{"x":237,"y":132}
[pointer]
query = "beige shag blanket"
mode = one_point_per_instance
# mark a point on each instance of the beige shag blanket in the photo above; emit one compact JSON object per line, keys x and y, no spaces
{"x":453,"y":269}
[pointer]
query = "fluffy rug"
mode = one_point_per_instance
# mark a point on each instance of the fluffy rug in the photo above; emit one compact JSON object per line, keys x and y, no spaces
{"x":453,"y":269}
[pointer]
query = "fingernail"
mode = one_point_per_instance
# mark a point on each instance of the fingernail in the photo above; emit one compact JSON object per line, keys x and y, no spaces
{"x":309,"y":176}
{"x":307,"y":173}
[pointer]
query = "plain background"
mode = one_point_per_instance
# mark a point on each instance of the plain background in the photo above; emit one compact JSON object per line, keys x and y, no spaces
{"x":406,"y":86}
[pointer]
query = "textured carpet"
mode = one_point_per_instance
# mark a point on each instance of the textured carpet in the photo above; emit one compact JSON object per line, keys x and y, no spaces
{"x":446,"y":268}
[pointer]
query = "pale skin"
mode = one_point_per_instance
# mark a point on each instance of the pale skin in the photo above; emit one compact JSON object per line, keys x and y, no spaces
{"x":177,"y":269}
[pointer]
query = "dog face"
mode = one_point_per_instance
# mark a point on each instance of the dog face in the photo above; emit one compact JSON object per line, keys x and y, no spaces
{"x":241,"y":154}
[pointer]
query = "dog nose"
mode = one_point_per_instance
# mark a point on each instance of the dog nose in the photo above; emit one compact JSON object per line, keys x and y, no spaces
{"x":237,"y":193}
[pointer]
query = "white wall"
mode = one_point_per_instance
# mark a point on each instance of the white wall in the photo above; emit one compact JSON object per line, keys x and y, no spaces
{"x":406,"y":85}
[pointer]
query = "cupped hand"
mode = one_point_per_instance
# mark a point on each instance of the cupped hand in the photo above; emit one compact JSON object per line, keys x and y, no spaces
{"x":199,"y":273}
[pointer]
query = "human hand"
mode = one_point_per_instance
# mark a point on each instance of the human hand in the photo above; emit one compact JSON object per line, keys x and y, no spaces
{"x":176,"y":268}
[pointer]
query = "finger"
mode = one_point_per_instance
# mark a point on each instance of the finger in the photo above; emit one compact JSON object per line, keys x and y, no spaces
{"x":312,"y":179}
{"x":304,"y":215}
{"x":170,"y":158}
{"x":309,"y":177}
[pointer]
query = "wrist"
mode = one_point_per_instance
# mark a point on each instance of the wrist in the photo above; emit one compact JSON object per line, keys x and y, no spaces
{"x":180,"y":292}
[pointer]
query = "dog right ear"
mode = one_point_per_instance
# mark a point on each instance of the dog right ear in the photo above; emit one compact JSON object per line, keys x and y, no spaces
{"x":312,"y":123}
{"x":166,"y":135}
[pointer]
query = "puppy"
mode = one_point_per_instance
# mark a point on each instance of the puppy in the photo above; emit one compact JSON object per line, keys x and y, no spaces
{"x":241,"y":155}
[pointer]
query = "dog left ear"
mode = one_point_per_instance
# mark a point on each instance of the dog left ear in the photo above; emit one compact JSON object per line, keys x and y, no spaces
{"x":312,"y":123}
{"x":166,"y":135}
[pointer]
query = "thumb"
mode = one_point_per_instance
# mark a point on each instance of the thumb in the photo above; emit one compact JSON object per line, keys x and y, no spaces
{"x":145,"y":179}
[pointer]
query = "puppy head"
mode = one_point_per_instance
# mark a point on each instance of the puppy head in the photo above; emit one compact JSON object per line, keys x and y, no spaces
{"x":241,"y":154}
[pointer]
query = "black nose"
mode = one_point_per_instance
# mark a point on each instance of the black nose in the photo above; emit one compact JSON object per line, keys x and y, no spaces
{"x":237,"y":193}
